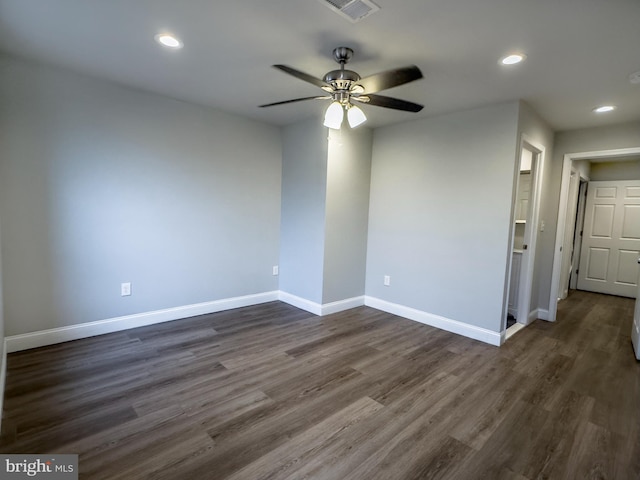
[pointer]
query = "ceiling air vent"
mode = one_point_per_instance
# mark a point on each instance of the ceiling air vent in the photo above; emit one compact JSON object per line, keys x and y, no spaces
{"x":352,"y":10}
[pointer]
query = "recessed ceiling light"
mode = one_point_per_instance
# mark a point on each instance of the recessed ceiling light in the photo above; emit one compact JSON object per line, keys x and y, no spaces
{"x":168,"y":40}
{"x":604,"y":108}
{"x":513,"y":59}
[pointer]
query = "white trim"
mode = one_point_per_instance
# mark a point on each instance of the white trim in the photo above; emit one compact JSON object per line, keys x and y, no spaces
{"x":512,"y":330}
{"x":562,"y":214}
{"x":443,"y":323}
{"x":539,"y":313}
{"x":342,"y":305}
{"x":531,"y":230}
{"x":318,"y":309}
{"x":300,"y":302}
{"x":15,"y":343}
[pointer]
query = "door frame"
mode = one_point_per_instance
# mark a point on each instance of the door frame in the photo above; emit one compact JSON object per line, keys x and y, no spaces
{"x":572,"y":236}
{"x":531,"y":231}
{"x":579,"y":223}
{"x":569,"y":231}
{"x":562,"y":213}
{"x":531,"y":228}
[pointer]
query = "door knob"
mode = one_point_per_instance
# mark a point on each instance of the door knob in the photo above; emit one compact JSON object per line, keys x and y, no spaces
{"x":525,"y":246}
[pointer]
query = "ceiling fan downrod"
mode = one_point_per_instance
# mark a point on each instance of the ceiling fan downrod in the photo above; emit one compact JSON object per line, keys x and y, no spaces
{"x":341,"y":80}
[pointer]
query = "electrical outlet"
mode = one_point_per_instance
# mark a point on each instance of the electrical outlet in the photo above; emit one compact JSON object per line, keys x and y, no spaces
{"x":276,"y":270}
{"x":387,"y":280}
{"x":125,"y":289}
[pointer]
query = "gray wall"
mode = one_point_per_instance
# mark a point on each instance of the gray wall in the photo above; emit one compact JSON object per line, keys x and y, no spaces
{"x":304,"y":181}
{"x":623,"y":135}
{"x":611,"y":171}
{"x":347,"y":213}
{"x":100,"y":185}
{"x":325,"y":200}
{"x":440,"y":213}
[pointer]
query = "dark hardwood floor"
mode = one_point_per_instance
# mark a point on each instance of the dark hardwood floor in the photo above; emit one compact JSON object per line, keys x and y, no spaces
{"x":272,"y":392}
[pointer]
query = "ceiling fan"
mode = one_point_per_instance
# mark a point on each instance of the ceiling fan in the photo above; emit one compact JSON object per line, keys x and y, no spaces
{"x":346,"y":86}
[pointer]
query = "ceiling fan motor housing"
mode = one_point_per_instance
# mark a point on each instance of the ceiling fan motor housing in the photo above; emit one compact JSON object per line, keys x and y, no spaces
{"x":342,"y":54}
{"x":341,"y":79}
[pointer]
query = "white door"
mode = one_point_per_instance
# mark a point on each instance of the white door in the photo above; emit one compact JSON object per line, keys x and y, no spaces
{"x":567,"y":245}
{"x":611,"y":240}
{"x":635,"y":329}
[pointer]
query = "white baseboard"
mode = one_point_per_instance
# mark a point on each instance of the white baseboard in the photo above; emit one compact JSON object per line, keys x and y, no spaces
{"x":42,"y":338}
{"x":342,"y":305}
{"x":320,"y":309}
{"x":443,"y":323}
{"x":15,"y":343}
{"x":299,"y":302}
{"x":511,"y":331}
{"x":542,"y":314}
{"x":538,"y":313}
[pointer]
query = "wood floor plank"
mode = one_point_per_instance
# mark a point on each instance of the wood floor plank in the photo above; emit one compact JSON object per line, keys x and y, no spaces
{"x":285,"y":460}
{"x":549,"y":456}
{"x":595,"y":455}
{"x":354,"y":451}
{"x":273,"y":392}
{"x":510,"y":443}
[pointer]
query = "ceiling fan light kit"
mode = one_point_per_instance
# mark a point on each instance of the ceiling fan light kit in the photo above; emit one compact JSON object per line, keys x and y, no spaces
{"x":355,"y":116}
{"x":346,"y":86}
{"x":334,"y":115}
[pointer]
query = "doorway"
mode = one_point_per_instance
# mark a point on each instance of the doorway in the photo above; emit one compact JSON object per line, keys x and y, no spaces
{"x":569,"y":162}
{"x":524,"y":236}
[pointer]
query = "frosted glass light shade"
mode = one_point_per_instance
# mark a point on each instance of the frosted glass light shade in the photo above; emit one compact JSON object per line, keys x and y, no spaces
{"x":334,"y":115}
{"x":355,"y":116}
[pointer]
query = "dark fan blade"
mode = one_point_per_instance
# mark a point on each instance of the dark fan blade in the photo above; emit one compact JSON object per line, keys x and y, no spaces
{"x":295,"y":100}
{"x":391,"y":78}
{"x":388,"y":102}
{"x":302,"y":76}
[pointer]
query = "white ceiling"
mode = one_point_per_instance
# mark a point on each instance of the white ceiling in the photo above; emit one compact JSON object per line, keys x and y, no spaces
{"x":580,"y":52}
